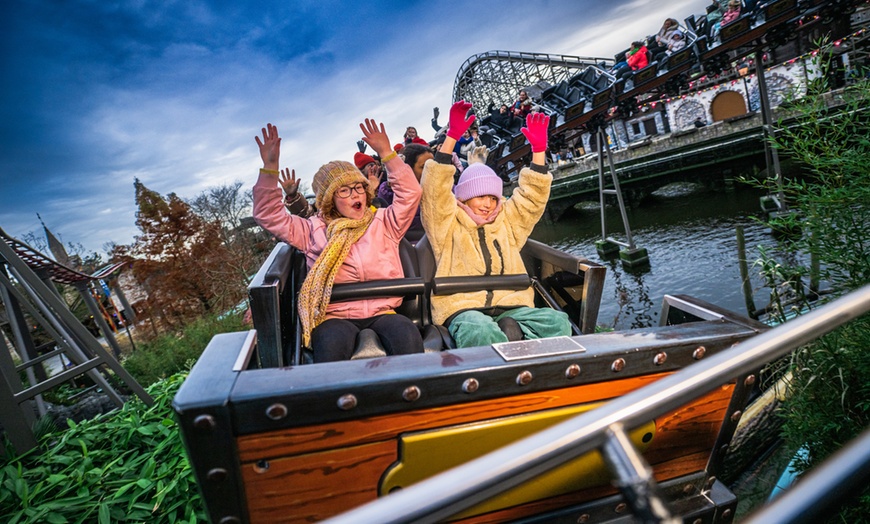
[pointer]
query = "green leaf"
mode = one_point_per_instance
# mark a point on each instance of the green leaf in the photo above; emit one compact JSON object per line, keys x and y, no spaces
{"x":104,"y":516}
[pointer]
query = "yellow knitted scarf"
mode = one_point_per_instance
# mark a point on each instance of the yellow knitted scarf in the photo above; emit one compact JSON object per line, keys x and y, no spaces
{"x":316,"y":291}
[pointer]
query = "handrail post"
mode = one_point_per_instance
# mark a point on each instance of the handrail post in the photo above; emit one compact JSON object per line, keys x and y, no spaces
{"x":633,"y":476}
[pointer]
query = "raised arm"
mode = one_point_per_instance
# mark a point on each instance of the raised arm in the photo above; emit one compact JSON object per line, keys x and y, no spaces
{"x":270,"y":148}
{"x":269,"y":210}
{"x":403,"y":183}
{"x":457,"y":126}
{"x":536,"y":134}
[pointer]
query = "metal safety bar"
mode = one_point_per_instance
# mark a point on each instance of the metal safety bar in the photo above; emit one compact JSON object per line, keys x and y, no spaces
{"x":448,"y":493}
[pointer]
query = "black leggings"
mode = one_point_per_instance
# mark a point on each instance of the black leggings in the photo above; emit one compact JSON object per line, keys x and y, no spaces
{"x":335,"y":339}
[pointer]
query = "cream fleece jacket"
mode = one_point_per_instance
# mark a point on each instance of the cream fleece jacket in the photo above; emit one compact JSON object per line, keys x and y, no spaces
{"x":462,"y":248}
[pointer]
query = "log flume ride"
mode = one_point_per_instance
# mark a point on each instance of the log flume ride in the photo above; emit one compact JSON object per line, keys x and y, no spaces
{"x":615,"y":426}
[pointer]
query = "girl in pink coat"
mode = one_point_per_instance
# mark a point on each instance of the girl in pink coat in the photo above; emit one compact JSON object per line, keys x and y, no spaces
{"x":346,"y":241}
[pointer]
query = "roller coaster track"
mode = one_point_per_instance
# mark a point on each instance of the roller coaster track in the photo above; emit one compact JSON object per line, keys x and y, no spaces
{"x":498,"y":75}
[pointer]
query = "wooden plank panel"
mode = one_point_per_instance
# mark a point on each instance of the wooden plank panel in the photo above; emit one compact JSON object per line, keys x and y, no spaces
{"x":314,"y":487}
{"x":325,"y":436}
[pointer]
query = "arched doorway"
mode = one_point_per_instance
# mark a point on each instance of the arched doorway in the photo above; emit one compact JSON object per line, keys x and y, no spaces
{"x":726,"y":105}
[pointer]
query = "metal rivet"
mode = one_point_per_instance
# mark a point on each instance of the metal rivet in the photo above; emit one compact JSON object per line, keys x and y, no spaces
{"x":346,"y":402}
{"x":411,"y":393}
{"x":230,"y":520}
{"x":524,"y":378}
{"x":660,"y":358}
{"x":216,"y":474}
{"x":261,"y":466}
{"x":618,"y":365}
{"x":736,"y":416}
{"x":583,"y":518}
{"x":204,"y":423}
{"x":688,"y":489}
{"x":709,"y":484}
{"x":276,"y":411}
{"x":470,"y":385}
{"x":572,"y":371}
{"x":620,"y":508}
{"x":749,"y":380}
{"x":726,"y":515}
{"x":699,"y":353}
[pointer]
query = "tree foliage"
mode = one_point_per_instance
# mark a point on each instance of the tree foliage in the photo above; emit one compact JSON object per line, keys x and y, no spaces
{"x":180,"y":260}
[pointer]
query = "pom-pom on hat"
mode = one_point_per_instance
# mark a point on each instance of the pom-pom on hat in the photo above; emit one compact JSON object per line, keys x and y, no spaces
{"x":361,"y":160}
{"x":328,"y":179}
{"x":477,"y":180}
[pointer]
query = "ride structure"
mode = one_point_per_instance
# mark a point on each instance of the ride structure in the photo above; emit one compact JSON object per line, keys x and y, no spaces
{"x":27,"y":279}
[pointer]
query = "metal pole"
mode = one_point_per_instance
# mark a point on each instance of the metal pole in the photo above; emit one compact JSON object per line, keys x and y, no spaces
{"x":85,"y":292}
{"x":618,"y":191}
{"x":599,"y":139}
{"x":767,"y":125}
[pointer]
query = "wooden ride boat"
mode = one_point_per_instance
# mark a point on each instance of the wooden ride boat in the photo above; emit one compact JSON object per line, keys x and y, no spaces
{"x":272,"y":438}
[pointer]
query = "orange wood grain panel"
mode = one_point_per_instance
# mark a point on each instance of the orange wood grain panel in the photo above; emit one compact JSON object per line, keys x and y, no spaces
{"x":313,"y":487}
{"x":691,"y":428}
{"x":373,"y":429}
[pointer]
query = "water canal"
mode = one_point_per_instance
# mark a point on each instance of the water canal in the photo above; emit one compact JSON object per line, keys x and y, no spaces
{"x":692,"y":245}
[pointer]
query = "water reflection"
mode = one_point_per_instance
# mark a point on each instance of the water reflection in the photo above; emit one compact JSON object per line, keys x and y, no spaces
{"x":692,"y":248}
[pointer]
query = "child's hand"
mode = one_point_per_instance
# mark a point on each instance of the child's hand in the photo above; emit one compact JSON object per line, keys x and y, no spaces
{"x":289,"y":182}
{"x":478,"y":155}
{"x":375,"y":136}
{"x":458,"y":123}
{"x":536,"y":131}
{"x":270,"y":146}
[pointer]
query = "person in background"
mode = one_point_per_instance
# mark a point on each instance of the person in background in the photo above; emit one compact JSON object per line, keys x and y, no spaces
{"x":346,"y":241}
{"x":373,"y":171}
{"x":522,"y":106}
{"x":663,"y":37}
{"x":732,"y":14}
{"x":677,"y":43}
{"x":714,"y":16}
{"x":473,"y":230}
{"x":411,"y":137}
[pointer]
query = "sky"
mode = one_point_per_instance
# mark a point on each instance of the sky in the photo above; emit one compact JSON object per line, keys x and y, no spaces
{"x":99,"y":93}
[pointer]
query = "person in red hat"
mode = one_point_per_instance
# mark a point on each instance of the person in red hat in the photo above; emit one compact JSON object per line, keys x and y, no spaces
{"x":370,"y":168}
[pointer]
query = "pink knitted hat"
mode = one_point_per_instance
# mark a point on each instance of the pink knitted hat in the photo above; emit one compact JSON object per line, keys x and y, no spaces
{"x":477,"y":180}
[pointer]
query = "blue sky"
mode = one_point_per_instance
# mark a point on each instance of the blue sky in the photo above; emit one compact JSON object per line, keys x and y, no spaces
{"x":98,"y":93}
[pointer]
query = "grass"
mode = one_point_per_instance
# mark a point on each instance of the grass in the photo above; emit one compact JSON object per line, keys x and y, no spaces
{"x":166,"y":355}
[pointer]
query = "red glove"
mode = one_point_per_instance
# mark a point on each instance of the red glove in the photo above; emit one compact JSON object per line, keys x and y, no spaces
{"x":536,"y":131}
{"x":458,"y":123}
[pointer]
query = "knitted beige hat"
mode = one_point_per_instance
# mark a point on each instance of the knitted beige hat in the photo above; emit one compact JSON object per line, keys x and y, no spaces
{"x":329,"y":178}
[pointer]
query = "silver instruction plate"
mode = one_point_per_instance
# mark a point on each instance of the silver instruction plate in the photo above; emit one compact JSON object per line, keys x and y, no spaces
{"x":541,"y":347}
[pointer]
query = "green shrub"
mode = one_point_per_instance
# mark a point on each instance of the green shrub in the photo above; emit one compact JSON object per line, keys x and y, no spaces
{"x":830,"y":400}
{"x":169,"y":354}
{"x":126,"y":466}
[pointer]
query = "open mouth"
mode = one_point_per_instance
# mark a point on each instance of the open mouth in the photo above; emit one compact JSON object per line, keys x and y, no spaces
{"x":357,"y":205}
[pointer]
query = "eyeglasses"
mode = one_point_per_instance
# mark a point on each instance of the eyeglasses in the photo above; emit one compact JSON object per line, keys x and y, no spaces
{"x":345,"y":191}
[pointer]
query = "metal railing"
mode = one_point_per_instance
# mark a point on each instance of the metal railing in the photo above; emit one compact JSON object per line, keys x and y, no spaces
{"x":460,"y":488}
